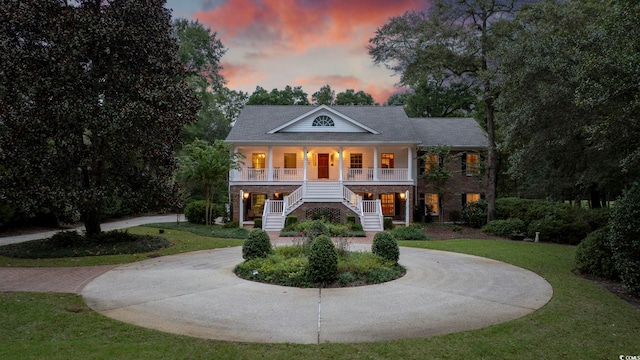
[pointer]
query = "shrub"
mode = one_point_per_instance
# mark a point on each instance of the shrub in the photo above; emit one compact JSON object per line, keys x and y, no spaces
{"x":351,"y":219}
{"x":317,"y":228}
{"x":455,"y":216}
{"x":6,"y":213}
{"x":385,"y":246}
{"x":258,"y":245}
{"x":409,"y":233}
{"x":66,"y":239}
{"x":387,"y":223}
{"x":323,"y":260}
{"x":475,"y":213}
{"x":231,"y":225}
{"x":356,"y":227}
{"x":624,"y":238}
{"x":195,"y":212}
{"x":290,"y":220}
{"x":257,"y":223}
{"x":594,"y":255}
{"x":505,"y":228}
{"x":558,"y":231}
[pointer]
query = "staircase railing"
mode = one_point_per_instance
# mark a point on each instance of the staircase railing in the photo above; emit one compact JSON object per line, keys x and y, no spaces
{"x":291,"y":200}
{"x":354,"y":200}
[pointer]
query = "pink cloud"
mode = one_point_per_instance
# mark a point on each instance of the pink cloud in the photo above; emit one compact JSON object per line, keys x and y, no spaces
{"x":240,"y":76}
{"x":301,"y":25}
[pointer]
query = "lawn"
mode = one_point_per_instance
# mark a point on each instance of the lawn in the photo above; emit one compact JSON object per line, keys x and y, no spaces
{"x":582,"y":321}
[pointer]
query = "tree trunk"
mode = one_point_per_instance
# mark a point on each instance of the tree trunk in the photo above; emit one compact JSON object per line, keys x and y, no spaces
{"x":595,"y":197}
{"x":92,"y":222}
{"x":492,"y":170}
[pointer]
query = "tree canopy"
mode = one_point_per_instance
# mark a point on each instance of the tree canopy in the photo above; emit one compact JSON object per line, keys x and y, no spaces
{"x":351,"y":97}
{"x":92,"y":104}
{"x":569,"y":97}
{"x":288,"y":96}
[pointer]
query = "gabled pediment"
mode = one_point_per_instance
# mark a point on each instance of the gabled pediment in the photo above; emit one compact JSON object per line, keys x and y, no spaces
{"x":323,"y":119}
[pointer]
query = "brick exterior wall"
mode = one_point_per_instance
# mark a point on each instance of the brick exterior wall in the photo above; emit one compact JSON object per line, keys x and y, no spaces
{"x":458,"y":185}
{"x":374,"y":190}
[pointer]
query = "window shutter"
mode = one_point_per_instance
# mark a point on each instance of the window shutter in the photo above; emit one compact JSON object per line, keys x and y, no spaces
{"x":464,"y":200}
{"x":421,"y":165}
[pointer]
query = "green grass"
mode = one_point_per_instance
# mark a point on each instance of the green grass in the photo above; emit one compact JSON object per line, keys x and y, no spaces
{"x":182,"y":242}
{"x":582,"y":321}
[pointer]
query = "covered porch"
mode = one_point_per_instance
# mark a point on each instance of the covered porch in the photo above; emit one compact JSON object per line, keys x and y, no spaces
{"x":372,"y":164}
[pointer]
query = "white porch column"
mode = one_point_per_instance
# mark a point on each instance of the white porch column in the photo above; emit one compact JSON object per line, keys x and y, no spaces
{"x":340,"y":163}
{"x":406,"y":208}
{"x":270,"y":165}
{"x":410,"y":162}
{"x":233,"y":173}
{"x":375,"y":163}
{"x":304,"y":163}
{"x":241,"y":208}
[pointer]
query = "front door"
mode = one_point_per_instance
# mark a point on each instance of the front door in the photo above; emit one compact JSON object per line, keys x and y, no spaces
{"x":323,"y":166}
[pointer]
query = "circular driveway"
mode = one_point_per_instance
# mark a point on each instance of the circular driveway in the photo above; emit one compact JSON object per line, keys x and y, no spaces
{"x":198,"y":294}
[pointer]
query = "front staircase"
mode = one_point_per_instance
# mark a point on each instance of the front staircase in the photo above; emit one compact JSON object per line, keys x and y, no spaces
{"x":275,"y":211}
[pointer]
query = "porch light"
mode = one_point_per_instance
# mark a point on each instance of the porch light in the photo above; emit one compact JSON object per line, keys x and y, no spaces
{"x":403,"y":196}
{"x":245,"y":195}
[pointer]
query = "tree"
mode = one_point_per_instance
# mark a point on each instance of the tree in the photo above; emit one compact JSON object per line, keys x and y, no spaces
{"x":324,"y":96}
{"x":569,"y":97}
{"x":200,"y":52}
{"x":103,"y":118}
{"x":398,"y":99}
{"x":350,"y":97}
{"x":206,"y":166}
{"x":288,"y":96}
{"x":439,"y":98}
{"x":453,"y":39}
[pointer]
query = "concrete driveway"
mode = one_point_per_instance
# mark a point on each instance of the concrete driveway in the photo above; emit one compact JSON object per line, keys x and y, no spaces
{"x":197,"y":294}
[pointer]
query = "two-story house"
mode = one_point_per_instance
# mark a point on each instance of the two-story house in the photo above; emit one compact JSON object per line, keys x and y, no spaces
{"x":341,"y":160}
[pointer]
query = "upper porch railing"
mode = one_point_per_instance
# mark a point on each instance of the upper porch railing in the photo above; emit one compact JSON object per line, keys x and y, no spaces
{"x":297,"y":174}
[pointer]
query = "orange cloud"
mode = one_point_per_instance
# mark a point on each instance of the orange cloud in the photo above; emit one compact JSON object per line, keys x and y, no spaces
{"x":301,"y":25}
{"x":240,"y":76}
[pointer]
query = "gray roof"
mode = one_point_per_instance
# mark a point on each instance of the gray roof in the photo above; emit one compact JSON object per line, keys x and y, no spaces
{"x":454,"y":132}
{"x":255,"y":122}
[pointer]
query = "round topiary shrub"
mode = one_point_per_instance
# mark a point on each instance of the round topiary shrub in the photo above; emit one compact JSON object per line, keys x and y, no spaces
{"x":385,"y":246}
{"x":258,"y":245}
{"x":624,"y":238}
{"x":318,"y":227}
{"x":594,"y":255}
{"x":323,"y":260}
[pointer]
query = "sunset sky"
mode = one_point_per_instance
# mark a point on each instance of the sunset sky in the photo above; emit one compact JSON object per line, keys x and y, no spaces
{"x":308,"y":43}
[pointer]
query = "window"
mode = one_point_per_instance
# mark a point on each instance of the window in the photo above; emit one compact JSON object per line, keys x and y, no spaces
{"x":472,"y":162}
{"x":388,"y":204}
{"x":431,"y":163}
{"x":290,"y":161}
{"x":356,"y":161}
{"x":431,"y":204}
{"x":257,"y":160}
{"x":470,"y":198}
{"x":387,"y":161}
{"x":323,"y":120}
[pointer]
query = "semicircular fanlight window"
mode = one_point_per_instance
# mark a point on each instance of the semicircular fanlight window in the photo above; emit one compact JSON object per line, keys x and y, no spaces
{"x":323,"y":120}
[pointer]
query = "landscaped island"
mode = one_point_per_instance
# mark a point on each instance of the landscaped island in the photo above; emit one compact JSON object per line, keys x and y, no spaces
{"x":316,"y":261}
